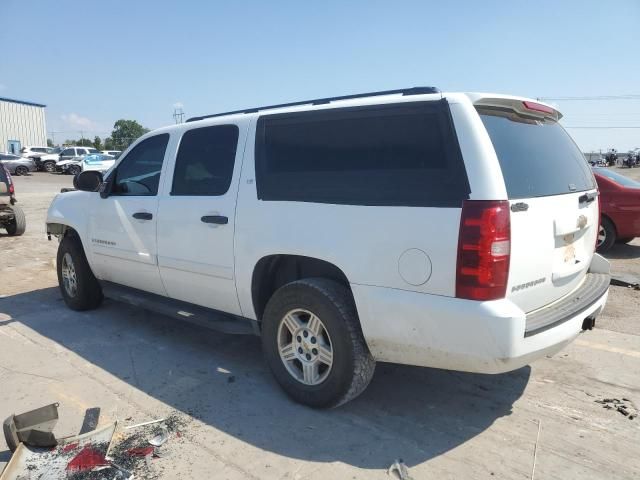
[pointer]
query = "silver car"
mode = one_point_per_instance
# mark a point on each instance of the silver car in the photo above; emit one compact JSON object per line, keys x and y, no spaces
{"x":17,"y":165}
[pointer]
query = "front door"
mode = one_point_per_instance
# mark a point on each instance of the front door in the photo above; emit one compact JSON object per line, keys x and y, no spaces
{"x":122,"y":227}
{"x":196,"y":218}
{"x":13,"y":146}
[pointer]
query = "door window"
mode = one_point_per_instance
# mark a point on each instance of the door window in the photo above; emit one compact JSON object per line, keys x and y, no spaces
{"x":69,"y":152}
{"x":139,"y":172}
{"x":204,"y":164}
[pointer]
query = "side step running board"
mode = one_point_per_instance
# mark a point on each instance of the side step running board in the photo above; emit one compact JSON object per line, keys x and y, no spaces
{"x":202,"y":316}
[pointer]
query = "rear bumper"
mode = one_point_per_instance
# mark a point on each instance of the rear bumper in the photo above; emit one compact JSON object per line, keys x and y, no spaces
{"x":441,"y":332}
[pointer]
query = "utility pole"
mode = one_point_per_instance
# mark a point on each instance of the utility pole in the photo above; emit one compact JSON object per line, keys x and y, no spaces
{"x":178,"y":115}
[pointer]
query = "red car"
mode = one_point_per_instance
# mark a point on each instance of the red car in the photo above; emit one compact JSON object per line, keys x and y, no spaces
{"x":619,"y":208}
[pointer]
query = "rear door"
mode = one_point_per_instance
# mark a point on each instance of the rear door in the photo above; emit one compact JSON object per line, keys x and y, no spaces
{"x":196,"y":217}
{"x":554,"y":207}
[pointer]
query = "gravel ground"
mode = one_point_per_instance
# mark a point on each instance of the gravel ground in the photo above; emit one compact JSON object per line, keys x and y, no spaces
{"x":136,"y":366}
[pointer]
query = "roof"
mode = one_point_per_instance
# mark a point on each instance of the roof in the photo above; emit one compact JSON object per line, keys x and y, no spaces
{"x":22,"y":102}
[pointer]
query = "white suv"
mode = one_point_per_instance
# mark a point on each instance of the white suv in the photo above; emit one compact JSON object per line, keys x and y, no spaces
{"x":32,"y":152}
{"x":444,"y":230}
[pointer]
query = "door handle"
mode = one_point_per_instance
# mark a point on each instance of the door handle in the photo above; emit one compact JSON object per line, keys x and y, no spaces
{"x":143,"y":216}
{"x":217,"y":219}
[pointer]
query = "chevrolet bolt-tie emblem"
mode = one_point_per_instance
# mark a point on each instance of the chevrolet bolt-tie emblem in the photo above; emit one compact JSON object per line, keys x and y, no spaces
{"x":582,"y":221}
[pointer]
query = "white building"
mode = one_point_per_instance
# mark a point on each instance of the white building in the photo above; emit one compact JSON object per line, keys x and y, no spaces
{"x":21,"y":124}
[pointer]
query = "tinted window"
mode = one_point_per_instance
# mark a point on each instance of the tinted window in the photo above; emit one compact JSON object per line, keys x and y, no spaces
{"x":93,"y":150}
{"x":381,"y":155}
{"x":204,"y":164}
{"x":537,"y":157}
{"x":69,"y":152}
{"x":139,"y":171}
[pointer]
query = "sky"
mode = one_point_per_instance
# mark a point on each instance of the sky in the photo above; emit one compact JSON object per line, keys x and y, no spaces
{"x":93,"y":62}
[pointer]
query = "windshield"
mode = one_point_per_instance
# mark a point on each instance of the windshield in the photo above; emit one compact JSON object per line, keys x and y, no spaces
{"x":538,"y":158}
{"x":616,"y":177}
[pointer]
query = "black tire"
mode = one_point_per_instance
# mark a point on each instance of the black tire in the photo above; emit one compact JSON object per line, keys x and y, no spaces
{"x":49,"y":166}
{"x":22,"y":170}
{"x":74,"y":170}
{"x":88,"y":294}
{"x":352,"y":367}
{"x":19,"y":223}
{"x":625,"y":240}
{"x":609,"y":231}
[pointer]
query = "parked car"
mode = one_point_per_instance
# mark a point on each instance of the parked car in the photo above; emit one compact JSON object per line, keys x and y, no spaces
{"x":12,"y":217}
{"x":445,"y":230}
{"x":16,"y":164}
{"x":113,"y":153}
{"x":619,"y":208}
{"x":94,"y":161}
{"x":32,"y":152}
{"x":47,"y":162}
{"x":72,"y":152}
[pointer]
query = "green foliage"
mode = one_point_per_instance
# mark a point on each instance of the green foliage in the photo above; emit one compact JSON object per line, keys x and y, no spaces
{"x":125,"y":132}
{"x":97,"y":143}
{"x":108,"y":144}
{"x":49,"y":142}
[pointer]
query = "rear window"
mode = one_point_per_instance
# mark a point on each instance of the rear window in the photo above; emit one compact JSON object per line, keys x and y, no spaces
{"x":395,"y":155}
{"x":538,"y":158}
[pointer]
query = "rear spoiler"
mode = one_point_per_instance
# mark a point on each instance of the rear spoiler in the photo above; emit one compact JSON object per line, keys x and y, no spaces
{"x":522,"y":106}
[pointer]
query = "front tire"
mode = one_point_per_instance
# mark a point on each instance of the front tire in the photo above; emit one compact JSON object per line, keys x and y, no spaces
{"x":19,"y":223}
{"x":79,"y":287}
{"x":21,"y":170}
{"x":313,"y":343}
{"x":49,"y":167}
{"x":606,"y":235}
{"x":74,"y":170}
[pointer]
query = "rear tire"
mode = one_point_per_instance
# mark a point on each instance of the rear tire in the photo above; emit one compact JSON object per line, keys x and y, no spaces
{"x":339,"y":361}
{"x":19,"y":223}
{"x":79,"y":287}
{"x":21,"y":170}
{"x":74,"y":170}
{"x":625,"y":240}
{"x":606,"y":235}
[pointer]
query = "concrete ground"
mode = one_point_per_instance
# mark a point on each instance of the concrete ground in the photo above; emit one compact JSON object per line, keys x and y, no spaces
{"x":136,"y":366}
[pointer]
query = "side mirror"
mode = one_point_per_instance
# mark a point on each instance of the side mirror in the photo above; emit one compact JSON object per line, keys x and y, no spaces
{"x":88,"y":181}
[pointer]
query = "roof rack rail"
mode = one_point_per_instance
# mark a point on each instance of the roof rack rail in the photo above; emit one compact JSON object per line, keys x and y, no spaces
{"x":320,"y":101}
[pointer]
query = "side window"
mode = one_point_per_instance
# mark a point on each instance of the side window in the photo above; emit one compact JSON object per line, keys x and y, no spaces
{"x":68,"y":152}
{"x":393,"y":155}
{"x":139,"y":171}
{"x":204,"y":164}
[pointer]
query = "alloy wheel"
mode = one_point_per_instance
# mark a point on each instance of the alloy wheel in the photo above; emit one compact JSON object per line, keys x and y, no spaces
{"x":305,"y":347}
{"x":69,"y":279}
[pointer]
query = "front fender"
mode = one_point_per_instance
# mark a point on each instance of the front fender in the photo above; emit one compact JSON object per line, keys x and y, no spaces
{"x":70,"y":210}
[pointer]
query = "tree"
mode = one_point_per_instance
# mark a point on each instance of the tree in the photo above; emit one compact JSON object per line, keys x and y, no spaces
{"x":84,"y":142}
{"x":125,"y":132}
{"x":49,"y":142}
{"x":97,"y":143}
{"x":108,"y":144}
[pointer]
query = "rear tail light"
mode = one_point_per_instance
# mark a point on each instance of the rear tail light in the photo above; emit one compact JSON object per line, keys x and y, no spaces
{"x":11,"y":189}
{"x":484,"y":250}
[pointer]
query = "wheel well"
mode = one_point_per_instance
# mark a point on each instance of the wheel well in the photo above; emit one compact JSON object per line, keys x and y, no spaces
{"x":274,"y":271}
{"x":60,"y":230}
